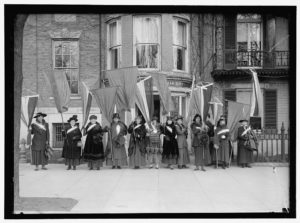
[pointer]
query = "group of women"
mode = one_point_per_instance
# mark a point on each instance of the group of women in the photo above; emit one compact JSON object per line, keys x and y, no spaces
{"x":150,"y":143}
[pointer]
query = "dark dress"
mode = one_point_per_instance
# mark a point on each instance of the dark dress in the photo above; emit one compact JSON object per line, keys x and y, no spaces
{"x":116,"y":156}
{"x":222,"y":139}
{"x":211,"y":134}
{"x":200,"y":144}
{"x":40,"y":138}
{"x":71,"y":152}
{"x":137,"y":145}
{"x":93,"y":149}
{"x":245,"y":156}
{"x":170,"y":147}
{"x":182,"y":133}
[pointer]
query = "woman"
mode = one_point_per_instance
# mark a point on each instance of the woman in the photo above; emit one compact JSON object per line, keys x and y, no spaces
{"x":72,"y":143}
{"x":137,"y":144}
{"x":154,"y":148}
{"x":115,"y":150}
{"x":170,"y":147}
{"x":93,"y":148}
{"x":182,"y":132}
{"x":245,"y":147}
{"x":40,"y":140}
{"x":222,"y":144}
{"x":200,"y":142}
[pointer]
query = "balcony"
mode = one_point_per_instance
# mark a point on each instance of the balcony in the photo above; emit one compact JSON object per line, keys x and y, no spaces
{"x":256,"y":59}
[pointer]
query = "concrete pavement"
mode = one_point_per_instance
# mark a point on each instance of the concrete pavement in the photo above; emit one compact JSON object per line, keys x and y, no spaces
{"x":257,"y":189}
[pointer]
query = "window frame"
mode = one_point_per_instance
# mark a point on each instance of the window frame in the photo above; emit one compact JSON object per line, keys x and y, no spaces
{"x":158,"y":44}
{"x":55,"y":142}
{"x":175,"y":46}
{"x":110,"y":48}
{"x":71,"y":69}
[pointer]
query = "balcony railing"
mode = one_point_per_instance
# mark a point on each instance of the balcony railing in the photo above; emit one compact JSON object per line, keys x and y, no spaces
{"x":264,"y":59}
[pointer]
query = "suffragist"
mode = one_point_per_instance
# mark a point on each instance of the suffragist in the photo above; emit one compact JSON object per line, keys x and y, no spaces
{"x":137,"y":143}
{"x":170,"y":147}
{"x":115,"y":150}
{"x":200,"y":142}
{"x":222,"y":144}
{"x":93,"y":148}
{"x":72,"y":143}
{"x":154,"y":148}
{"x":181,"y":131}
{"x":40,"y":140}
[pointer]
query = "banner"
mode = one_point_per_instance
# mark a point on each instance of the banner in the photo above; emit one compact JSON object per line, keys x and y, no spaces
{"x":141,"y":99}
{"x":27,"y":110}
{"x":58,"y":83}
{"x":257,"y":98}
{"x":86,"y":100}
{"x":125,"y":79}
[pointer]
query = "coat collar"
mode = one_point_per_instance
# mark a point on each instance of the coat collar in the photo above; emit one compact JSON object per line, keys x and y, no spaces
{"x":91,"y":127}
{"x":72,"y":129}
{"x":40,"y":125}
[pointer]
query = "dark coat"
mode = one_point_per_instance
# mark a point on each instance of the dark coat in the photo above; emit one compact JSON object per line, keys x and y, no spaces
{"x":200,"y":137}
{"x":40,"y":136}
{"x":244,"y":155}
{"x":170,"y":146}
{"x":137,"y":138}
{"x":70,"y":148}
{"x":93,"y":148}
{"x":223,"y":141}
{"x":182,"y":133}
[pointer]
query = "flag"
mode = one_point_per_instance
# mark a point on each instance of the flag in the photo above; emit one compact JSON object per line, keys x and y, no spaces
{"x":125,"y":79}
{"x":257,"y":98}
{"x":236,"y":112}
{"x":60,"y":88}
{"x":27,"y":110}
{"x":86,"y":99}
{"x":141,"y":99}
{"x":214,"y":109}
{"x":160,"y":82}
{"x":106,"y":100}
{"x":148,"y":83}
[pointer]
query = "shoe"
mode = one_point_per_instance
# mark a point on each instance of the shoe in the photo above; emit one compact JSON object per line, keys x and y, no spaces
{"x":98,"y":168}
{"x":157,"y":167}
{"x":44,"y":168}
{"x":223,"y":166}
{"x":197,"y":168}
{"x":171,"y":167}
{"x":113,"y":167}
{"x":118,"y":167}
{"x":150,"y":167}
{"x":203,"y":169}
{"x":74,"y":167}
{"x":243,"y":166}
{"x":179,"y":167}
{"x":91,"y":168}
{"x":69,"y":167}
{"x":184,"y":166}
{"x":248,"y":166}
{"x":36,"y":169}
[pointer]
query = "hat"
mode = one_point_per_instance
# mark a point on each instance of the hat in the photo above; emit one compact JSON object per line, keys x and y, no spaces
{"x":154,"y":118}
{"x":74,"y":117}
{"x":39,"y":114}
{"x":179,"y":117}
{"x":93,"y":117}
{"x":169,"y":118}
{"x":244,"y":120}
{"x":116,"y":115}
{"x":196,"y":116}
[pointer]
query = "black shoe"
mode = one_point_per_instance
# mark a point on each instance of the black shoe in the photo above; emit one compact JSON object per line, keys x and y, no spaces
{"x":184,"y":166}
{"x":202,"y":168}
{"x":69,"y":167}
{"x":118,"y":167}
{"x":91,"y":168}
{"x":248,"y":166}
{"x":98,"y":168}
{"x":243,"y":166}
{"x":113,"y":167}
{"x":179,"y":167}
{"x":74,"y":167}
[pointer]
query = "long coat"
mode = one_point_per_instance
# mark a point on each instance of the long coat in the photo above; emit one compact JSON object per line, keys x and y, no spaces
{"x":170,"y":146}
{"x":182,"y":133}
{"x":137,"y":139}
{"x":93,"y":148}
{"x":40,"y":138}
{"x":222,"y":139}
{"x":245,"y":155}
{"x":70,"y":148}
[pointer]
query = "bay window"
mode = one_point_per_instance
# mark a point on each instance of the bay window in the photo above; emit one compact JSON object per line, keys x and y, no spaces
{"x":114,"y":44}
{"x":146,"y":32}
{"x":179,"y":44}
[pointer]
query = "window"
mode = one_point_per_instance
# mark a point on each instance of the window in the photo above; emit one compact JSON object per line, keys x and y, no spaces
{"x":66,"y":60}
{"x":179,"y":44}
{"x":114,"y":44}
{"x":249,"y":44}
{"x":270,"y":107}
{"x":58,"y":140}
{"x":146,"y":42}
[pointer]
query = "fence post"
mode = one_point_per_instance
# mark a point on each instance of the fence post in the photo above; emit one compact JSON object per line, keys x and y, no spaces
{"x":282,"y":144}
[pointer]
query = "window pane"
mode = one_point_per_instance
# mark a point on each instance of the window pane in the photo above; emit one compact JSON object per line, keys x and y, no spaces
{"x":180,"y":33}
{"x":66,"y":61}
{"x":113,"y":34}
{"x":57,"y":46}
{"x":74,"y":87}
{"x":254,"y":36}
{"x":242,"y":36}
{"x":114,"y":58}
{"x":179,"y":58}
{"x":58,"y":61}
{"x":147,"y":56}
{"x":66,"y":48}
{"x":146,"y":29}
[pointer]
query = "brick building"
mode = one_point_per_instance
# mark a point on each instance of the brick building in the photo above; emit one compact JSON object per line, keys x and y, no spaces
{"x":213,"y":47}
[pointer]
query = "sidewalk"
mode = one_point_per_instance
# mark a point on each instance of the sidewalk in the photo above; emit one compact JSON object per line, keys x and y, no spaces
{"x":256,"y":189}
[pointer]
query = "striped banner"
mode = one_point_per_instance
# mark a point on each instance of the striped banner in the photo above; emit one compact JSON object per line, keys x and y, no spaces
{"x":86,"y":98}
{"x":257,"y":98}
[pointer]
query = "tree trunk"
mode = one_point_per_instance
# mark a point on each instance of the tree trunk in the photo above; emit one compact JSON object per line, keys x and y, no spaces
{"x":19,"y":23}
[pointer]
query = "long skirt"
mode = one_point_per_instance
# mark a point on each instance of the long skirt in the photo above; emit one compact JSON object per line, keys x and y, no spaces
{"x":183,"y":157}
{"x":72,"y":162}
{"x":95,"y":163}
{"x":245,"y":156}
{"x":119,"y":157}
{"x":202,"y":156}
{"x":154,"y":155}
{"x":170,"y":160}
{"x":137,"y":159}
{"x":39,"y":158}
{"x":222,"y":154}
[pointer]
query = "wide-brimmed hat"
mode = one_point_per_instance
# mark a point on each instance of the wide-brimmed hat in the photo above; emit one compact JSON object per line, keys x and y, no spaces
{"x":74,"y":117}
{"x":244,"y":120}
{"x":179,"y":117}
{"x":116,"y":115}
{"x":93,"y":117}
{"x":40,"y":114}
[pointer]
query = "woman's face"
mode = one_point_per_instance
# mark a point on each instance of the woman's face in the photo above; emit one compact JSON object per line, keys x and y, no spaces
{"x":40,"y":118}
{"x":244,"y":123}
{"x":72,"y":122}
{"x":116,"y":120}
{"x":179,"y":121}
{"x":222,"y":122}
{"x":138,"y":120}
{"x":169,"y":122}
{"x":198,"y":119}
{"x":93,"y":121}
{"x":154,"y":122}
